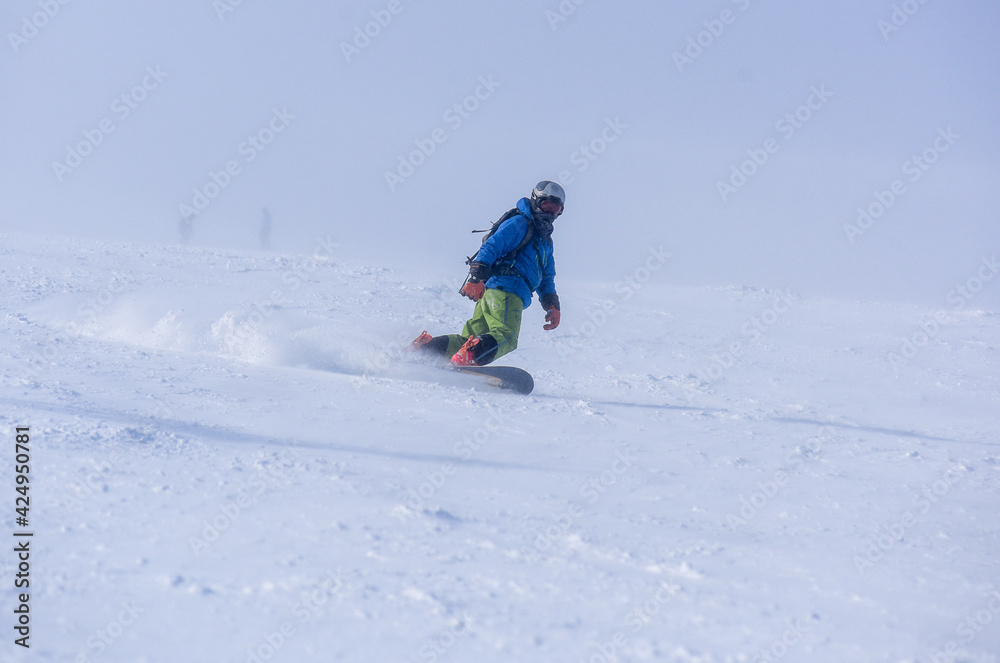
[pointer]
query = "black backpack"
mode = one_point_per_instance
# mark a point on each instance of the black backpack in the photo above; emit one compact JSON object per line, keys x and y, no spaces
{"x":528,"y":236}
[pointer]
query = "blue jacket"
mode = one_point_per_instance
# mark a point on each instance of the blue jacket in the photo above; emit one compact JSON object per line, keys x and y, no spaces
{"x":534,"y":263}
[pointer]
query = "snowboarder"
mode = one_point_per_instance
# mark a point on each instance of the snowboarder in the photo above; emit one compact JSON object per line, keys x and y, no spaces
{"x":514,"y":261}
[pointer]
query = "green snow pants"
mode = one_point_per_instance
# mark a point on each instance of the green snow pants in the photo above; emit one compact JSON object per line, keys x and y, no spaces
{"x":497,"y":314}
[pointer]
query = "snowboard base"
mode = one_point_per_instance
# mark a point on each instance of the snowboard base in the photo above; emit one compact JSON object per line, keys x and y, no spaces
{"x":503,"y":377}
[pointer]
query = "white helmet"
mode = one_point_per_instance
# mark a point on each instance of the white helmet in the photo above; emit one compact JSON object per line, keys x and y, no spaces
{"x":547,"y":190}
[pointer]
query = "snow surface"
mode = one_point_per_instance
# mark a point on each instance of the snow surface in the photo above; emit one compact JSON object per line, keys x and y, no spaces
{"x":234,"y":461}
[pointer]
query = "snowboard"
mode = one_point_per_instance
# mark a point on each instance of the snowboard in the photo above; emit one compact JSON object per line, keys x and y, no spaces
{"x":504,"y":377}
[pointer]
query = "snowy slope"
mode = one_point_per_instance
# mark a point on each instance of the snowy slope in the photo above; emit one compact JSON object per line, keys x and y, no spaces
{"x":234,"y":462}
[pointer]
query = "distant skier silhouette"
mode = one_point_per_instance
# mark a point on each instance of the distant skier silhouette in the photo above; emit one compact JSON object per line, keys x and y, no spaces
{"x":265,"y":231}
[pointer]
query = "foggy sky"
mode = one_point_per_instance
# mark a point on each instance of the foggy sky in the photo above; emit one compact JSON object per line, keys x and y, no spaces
{"x":741,"y":136}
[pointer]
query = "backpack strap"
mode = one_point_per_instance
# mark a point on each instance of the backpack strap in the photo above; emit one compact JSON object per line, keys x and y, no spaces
{"x":528,"y":236}
{"x":504,"y":265}
{"x":510,"y":214}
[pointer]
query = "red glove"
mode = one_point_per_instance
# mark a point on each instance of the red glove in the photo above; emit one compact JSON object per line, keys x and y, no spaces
{"x":474,"y":291}
{"x":552,"y":317}
{"x":550,"y":302}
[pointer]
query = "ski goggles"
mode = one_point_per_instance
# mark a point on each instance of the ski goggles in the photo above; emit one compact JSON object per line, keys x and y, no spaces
{"x":552,"y":199}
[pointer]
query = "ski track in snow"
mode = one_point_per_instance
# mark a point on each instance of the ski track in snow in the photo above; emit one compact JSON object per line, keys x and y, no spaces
{"x":233,"y":458}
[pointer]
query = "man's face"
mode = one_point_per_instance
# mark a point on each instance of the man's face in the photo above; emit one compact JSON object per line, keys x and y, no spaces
{"x":551,"y":206}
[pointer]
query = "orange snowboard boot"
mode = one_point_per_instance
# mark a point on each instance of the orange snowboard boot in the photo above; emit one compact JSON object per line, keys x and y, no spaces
{"x":466,"y":355}
{"x":420,"y":341}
